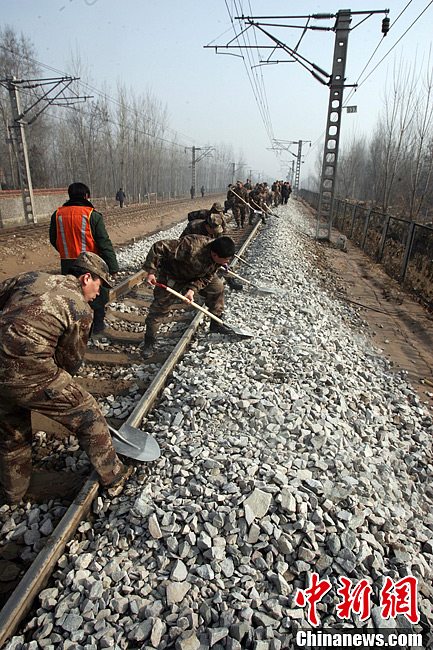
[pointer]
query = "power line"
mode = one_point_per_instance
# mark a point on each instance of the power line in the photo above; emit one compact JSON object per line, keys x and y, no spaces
{"x":398,"y":40}
{"x":101,"y":94}
{"x":259,"y":93}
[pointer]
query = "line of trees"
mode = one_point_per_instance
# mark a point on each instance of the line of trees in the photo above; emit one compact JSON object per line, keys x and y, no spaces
{"x":392,"y":169}
{"x":107,"y":142}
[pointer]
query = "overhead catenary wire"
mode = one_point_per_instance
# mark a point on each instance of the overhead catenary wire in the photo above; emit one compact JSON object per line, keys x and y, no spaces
{"x":391,"y":48}
{"x":105,"y":96}
{"x":258,"y":92}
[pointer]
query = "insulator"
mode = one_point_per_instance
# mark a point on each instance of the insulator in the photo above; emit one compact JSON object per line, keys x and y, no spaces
{"x":385,"y":26}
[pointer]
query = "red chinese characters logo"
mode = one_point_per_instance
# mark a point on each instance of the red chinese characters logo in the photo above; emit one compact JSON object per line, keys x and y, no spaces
{"x":396,"y":598}
{"x":400,"y":598}
{"x":313,"y":595}
{"x":356,"y":600}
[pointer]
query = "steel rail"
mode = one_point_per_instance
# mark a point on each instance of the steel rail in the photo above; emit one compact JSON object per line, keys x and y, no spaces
{"x":38,"y":574}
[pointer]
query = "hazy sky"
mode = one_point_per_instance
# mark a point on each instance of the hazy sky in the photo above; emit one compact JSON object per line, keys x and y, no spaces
{"x":157,"y":46}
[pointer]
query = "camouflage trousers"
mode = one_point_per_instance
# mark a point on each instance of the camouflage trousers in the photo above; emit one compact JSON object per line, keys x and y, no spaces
{"x":213,"y":295}
{"x":239,"y":214}
{"x":64,"y":402}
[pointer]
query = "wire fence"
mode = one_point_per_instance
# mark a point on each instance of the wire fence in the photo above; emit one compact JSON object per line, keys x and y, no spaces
{"x":403,"y":247}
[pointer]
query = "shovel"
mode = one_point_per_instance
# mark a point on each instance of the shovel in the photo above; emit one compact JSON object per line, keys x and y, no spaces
{"x":230,"y":328}
{"x":134,"y":443}
{"x":265,"y":290}
{"x":268,"y":211}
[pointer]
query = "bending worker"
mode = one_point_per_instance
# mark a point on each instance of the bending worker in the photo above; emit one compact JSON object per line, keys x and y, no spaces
{"x":188,"y":266}
{"x":76,"y":227}
{"x":44,"y":327}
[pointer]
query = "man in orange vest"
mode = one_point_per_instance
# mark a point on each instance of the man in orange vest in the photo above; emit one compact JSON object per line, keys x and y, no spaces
{"x":76,"y":228}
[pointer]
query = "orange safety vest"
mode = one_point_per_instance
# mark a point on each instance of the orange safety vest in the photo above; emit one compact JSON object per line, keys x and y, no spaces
{"x":74,"y":235}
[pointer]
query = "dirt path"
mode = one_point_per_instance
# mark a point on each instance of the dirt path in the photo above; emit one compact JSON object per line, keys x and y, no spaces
{"x":30,"y":250}
{"x":398,"y":325}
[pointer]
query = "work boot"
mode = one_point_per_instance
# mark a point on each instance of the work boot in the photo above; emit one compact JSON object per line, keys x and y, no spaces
{"x":98,"y":325}
{"x":218,"y":328}
{"x":148,"y":348}
{"x":116,"y":487}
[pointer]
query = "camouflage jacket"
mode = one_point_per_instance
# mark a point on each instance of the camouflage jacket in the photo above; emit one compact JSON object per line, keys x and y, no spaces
{"x":187,"y":260}
{"x":241,"y":193}
{"x":198,"y":227}
{"x":44,"y":327}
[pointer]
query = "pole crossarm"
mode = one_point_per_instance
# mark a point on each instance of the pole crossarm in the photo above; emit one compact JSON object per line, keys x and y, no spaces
{"x":54,"y":83}
{"x":18,"y":125}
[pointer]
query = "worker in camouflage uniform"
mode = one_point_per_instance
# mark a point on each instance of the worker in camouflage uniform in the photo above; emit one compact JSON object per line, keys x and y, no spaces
{"x":240,"y":203}
{"x":213,"y":225}
{"x":228,"y":203}
{"x":257,"y":200}
{"x":216,"y":208}
{"x":44,"y":327}
{"x":76,"y":227}
{"x":189,"y":266}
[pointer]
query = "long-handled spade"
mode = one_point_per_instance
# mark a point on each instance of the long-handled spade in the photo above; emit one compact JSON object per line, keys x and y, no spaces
{"x":260,"y":210}
{"x":276,"y":291}
{"x":268,"y":211}
{"x":134,"y":443}
{"x":231,"y":329}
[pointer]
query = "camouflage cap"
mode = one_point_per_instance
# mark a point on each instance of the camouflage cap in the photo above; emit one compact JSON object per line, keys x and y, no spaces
{"x":215,"y":222}
{"x":95,"y":264}
{"x":217,"y":207}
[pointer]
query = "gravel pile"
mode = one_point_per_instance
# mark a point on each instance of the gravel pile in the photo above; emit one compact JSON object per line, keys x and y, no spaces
{"x":294,"y":452}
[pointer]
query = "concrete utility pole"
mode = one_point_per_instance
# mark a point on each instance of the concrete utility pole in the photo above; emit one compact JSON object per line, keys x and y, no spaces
{"x":17,"y":131}
{"x":195,"y":160}
{"x":18,"y":137}
{"x":284,"y":145}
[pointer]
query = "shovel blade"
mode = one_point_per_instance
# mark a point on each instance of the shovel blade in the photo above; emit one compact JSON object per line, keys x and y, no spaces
{"x":134,"y":443}
{"x":238,"y":331}
{"x":273,"y":291}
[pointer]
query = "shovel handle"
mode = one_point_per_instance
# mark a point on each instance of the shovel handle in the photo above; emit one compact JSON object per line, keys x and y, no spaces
{"x":189,"y":302}
{"x":236,"y":275}
{"x":241,"y":259}
{"x":239,"y":197}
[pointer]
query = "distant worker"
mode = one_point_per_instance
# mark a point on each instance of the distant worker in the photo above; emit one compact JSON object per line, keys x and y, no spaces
{"x":215,"y":208}
{"x":77,"y":227}
{"x":120,"y":196}
{"x":240,"y":207}
{"x":45,"y":322}
{"x":202,"y":191}
{"x":286,"y":190}
{"x":228,"y":203}
{"x":189,"y":266}
{"x":192,"y":191}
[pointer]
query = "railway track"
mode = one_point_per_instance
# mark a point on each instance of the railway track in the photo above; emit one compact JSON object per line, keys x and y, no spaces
{"x":127,"y":388}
